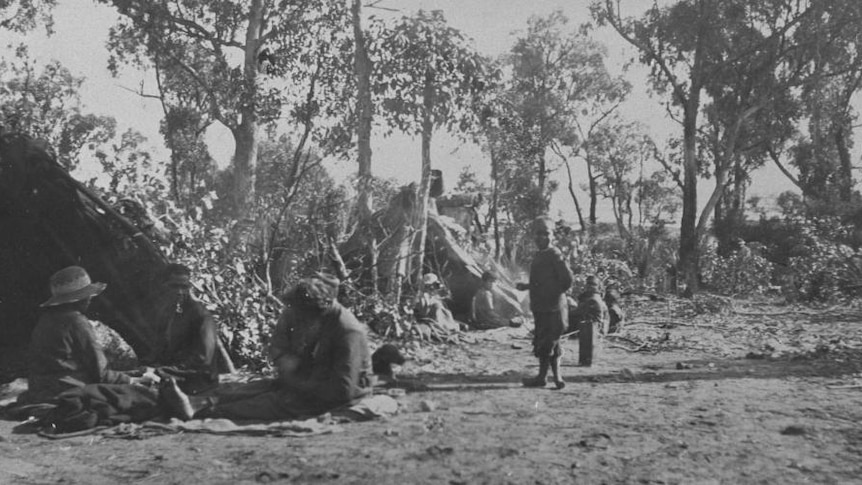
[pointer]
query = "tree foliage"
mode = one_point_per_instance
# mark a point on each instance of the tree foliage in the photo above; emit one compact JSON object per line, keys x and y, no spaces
{"x":237,"y":56}
{"x":44,"y":103}
{"x":427,"y":76}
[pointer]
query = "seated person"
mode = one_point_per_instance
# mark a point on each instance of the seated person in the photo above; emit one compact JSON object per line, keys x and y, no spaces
{"x":484,"y":314}
{"x":64,"y":352}
{"x":187,"y":345}
{"x":430,"y":308}
{"x":322,"y":359}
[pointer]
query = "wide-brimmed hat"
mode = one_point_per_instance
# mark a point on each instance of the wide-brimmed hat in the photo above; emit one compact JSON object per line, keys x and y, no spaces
{"x":70,"y":285}
{"x":430,"y":279}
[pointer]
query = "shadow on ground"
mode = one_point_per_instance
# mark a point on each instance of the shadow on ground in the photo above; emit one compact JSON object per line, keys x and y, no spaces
{"x":828,"y":365}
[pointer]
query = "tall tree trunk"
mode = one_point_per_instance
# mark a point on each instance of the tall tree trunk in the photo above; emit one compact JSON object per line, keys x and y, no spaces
{"x":543,"y":175}
{"x":688,"y":247}
{"x":593,"y":193}
{"x":845,"y":187}
{"x":245,"y":134}
{"x":425,"y":186}
{"x":495,"y":196}
{"x":362,"y":68}
{"x":575,"y":197}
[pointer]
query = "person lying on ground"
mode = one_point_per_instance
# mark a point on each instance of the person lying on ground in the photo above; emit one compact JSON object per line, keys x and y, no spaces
{"x":592,"y":322}
{"x":322,"y":360}
{"x":484,"y":314}
{"x":64,"y":352}
{"x":550,"y":278}
{"x":187,"y":332}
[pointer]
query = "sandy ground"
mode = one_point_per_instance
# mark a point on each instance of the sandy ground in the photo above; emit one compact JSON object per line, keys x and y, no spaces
{"x":761,"y":394}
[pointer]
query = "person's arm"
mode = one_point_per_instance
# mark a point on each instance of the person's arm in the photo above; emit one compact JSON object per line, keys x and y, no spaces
{"x":92,"y":356}
{"x":204,"y":344}
{"x":563,"y":272}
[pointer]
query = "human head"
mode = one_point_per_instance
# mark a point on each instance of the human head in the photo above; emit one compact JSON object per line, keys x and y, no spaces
{"x":489,"y":277}
{"x":543,"y":228}
{"x":314,"y":294}
{"x":72,"y":285}
{"x":592,"y":284}
{"x":177,"y":277}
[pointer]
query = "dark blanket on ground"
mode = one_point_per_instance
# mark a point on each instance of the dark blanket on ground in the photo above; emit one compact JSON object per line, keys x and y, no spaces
{"x":102,"y":405}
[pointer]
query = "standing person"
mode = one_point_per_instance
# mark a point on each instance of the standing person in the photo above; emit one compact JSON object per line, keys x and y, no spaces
{"x":64,"y":352}
{"x":187,"y":344}
{"x":550,"y":278}
{"x":483,"y":312}
{"x":322,"y":360}
{"x":616,"y":313}
{"x":592,"y":322}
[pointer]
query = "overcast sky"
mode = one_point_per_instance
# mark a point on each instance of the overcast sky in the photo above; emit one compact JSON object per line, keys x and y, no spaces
{"x":79,"y":43}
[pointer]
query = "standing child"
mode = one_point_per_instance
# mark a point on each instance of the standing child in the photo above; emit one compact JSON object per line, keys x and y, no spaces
{"x":592,"y":322}
{"x":550,"y":277}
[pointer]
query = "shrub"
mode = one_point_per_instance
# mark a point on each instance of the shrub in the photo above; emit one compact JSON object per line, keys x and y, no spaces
{"x":823,"y":268}
{"x":744,"y":271}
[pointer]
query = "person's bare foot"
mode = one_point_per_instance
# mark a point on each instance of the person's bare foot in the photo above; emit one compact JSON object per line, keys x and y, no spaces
{"x":559,"y":383}
{"x":177,"y":400}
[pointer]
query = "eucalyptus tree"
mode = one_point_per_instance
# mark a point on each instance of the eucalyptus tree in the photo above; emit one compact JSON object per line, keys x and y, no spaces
{"x":427,"y":76}
{"x":620,"y":150}
{"x":561,"y":89}
{"x":241,"y":55}
{"x":688,"y":45}
{"x":829,"y":65}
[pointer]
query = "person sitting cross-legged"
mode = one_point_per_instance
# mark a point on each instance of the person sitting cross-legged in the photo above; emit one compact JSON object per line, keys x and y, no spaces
{"x":187,"y":343}
{"x":322,"y":359}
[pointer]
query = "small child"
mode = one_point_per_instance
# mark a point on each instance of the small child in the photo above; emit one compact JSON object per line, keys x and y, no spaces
{"x":483,"y":313}
{"x":615,"y":311}
{"x":593,"y":320}
{"x":550,"y":278}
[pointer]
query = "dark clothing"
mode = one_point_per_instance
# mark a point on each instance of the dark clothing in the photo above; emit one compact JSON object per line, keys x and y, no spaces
{"x":334,"y":370}
{"x":187,"y":342}
{"x":550,"y":278}
{"x":102,"y":405}
{"x":549,"y":327}
{"x":63,"y":345}
{"x":593,"y":318}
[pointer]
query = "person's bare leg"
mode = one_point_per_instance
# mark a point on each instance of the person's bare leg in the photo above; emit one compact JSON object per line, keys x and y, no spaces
{"x":555,"y":370}
{"x":182,"y":405}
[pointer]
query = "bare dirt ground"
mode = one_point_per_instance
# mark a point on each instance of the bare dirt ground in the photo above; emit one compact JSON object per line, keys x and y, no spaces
{"x":743,"y":392}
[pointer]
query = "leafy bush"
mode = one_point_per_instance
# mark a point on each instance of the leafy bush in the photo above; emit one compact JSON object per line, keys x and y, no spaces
{"x":822,"y":267}
{"x":744,"y":271}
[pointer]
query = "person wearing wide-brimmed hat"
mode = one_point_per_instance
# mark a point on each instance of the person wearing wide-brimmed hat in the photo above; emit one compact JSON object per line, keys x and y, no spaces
{"x":63,"y":346}
{"x":322,"y":360}
{"x":187,"y":333}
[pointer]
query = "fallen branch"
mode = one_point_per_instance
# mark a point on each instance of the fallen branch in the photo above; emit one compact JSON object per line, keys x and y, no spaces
{"x":848,"y":386}
{"x":667,"y":322}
